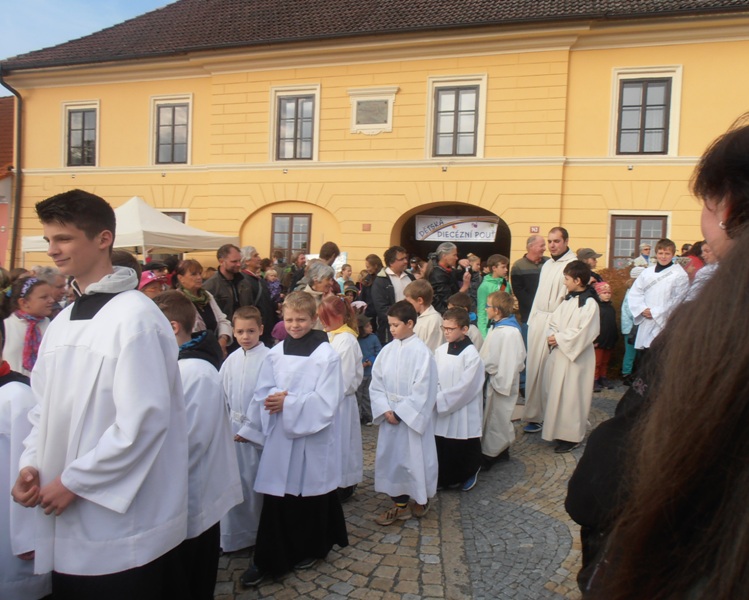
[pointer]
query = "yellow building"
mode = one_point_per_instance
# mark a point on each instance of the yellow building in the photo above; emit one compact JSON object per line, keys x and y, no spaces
{"x":346,"y":121}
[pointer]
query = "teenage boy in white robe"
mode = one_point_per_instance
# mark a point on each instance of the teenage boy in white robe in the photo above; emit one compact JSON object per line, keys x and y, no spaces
{"x":239,"y":375}
{"x":570,"y":370}
{"x":300,"y":388}
{"x":655,"y":293}
{"x":403,"y":393}
{"x":213,"y":477}
{"x":503,"y":354}
{"x":428,"y":326}
{"x":459,"y":404}
{"x":17,"y":579}
{"x":109,"y":429}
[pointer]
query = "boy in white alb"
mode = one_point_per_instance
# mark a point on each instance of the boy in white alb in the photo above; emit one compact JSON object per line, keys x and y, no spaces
{"x":462,"y":300}
{"x":109,"y":426}
{"x":503,"y":354}
{"x":403,"y":393}
{"x":300,"y":388}
{"x":239,"y":374}
{"x":655,"y":293}
{"x":459,"y":404}
{"x":428,"y":326}
{"x":17,"y":579}
{"x":570,"y":370}
{"x":213,"y":477}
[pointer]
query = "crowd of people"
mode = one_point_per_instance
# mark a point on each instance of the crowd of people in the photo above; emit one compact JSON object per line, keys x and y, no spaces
{"x":153,"y":418}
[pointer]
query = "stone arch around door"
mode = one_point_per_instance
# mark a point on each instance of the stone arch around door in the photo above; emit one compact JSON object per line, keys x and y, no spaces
{"x":404,"y":231}
{"x":261,"y":227}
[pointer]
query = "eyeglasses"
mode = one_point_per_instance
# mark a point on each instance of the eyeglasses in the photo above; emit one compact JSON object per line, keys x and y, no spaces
{"x":449,"y":329}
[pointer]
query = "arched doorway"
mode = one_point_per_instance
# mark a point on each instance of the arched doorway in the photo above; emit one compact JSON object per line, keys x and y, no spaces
{"x":407,"y":234}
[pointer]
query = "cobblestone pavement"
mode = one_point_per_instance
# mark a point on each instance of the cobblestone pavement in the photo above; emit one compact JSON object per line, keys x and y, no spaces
{"x":508,"y":538}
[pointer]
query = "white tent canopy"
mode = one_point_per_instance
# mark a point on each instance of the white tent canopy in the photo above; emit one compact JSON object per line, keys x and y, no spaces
{"x":144,"y":229}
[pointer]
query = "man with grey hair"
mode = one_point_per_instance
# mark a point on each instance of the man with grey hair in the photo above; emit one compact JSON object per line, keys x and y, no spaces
{"x":525,"y":273}
{"x":59,"y":285}
{"x":444,"y":277}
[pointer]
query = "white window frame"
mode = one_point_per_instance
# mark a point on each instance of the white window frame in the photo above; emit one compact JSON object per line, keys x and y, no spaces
{"x":278,"y":92}
{"x":434,"y":83}
{"x":673,"y":72}
{"x":67,"y":107}
{"x":386,"y":94}
{"x":156,"y":102}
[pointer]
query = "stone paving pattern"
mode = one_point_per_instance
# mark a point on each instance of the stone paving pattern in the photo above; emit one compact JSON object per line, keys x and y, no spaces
{"x":509,"y":537}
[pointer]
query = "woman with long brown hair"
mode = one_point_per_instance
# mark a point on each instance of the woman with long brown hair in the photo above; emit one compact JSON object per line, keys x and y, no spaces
{"x":670,"y":527}
{"x":684,"y":530}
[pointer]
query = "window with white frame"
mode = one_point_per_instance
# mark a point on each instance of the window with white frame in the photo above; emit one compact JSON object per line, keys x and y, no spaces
{"x":372,"y":109}
{"x":295,"y":121}
{"x":647,"y":111}
{"x":457,"y":112}
{"x":81,"y":134}
{"x":629,"y":231}
{"x":172,"y":130}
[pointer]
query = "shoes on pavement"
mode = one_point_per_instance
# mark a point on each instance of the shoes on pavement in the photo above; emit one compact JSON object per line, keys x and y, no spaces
{"x":252,"y":577}
{"x":307,"y":563}
{"x":471,"y":482}
{"x":533,"y":427}
{"x":419,"y":510}
{"x":487,"y":462}
{"x":563,"y":446}
{"x":607,"y":383}
{"x":395,"y":513}
{"x":627,"y":380}
{"x":597,"y":387}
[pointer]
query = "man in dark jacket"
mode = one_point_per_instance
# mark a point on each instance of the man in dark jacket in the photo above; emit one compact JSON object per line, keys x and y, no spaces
{"x":228,"y":286}
{"x":388,"y":286}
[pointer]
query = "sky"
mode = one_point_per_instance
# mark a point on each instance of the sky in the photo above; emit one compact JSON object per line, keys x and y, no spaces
{"x":28,"y":25}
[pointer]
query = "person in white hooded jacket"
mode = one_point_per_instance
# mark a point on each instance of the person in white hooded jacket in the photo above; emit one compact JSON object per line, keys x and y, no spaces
{"x":106,"y":459}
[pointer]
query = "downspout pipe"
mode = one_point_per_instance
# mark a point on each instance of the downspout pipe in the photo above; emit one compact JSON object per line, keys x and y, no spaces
{"x":19,"y":171}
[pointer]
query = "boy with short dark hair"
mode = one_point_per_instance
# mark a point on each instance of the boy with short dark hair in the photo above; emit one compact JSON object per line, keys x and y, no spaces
{"x":300,"y":388}
{"x":403,"y":392}
{"x":495,"y":281}
{"x":213,"y":475}
{"x":570,"y":369}
{"x":464,"y":302}
{"x":115,"y":432}
{"x":428,"y":327}
{"x":239,"y":375}
{"x":503,"y":354}
{"x":459,"y":404}
{"x":656,"y":292}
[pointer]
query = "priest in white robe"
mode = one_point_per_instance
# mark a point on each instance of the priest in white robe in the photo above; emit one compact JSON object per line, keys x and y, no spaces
{"x":549,"y":295}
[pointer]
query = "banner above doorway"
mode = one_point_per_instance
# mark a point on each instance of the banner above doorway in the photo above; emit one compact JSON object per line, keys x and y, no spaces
{"x":433,"y":228}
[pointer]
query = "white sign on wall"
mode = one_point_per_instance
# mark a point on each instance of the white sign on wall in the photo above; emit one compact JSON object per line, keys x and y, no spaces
{"x":433,"y":228}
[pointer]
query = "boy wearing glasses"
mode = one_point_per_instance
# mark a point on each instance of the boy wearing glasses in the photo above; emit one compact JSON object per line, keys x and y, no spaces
{"x":503,"y":354}
{"x":459,"y":404}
